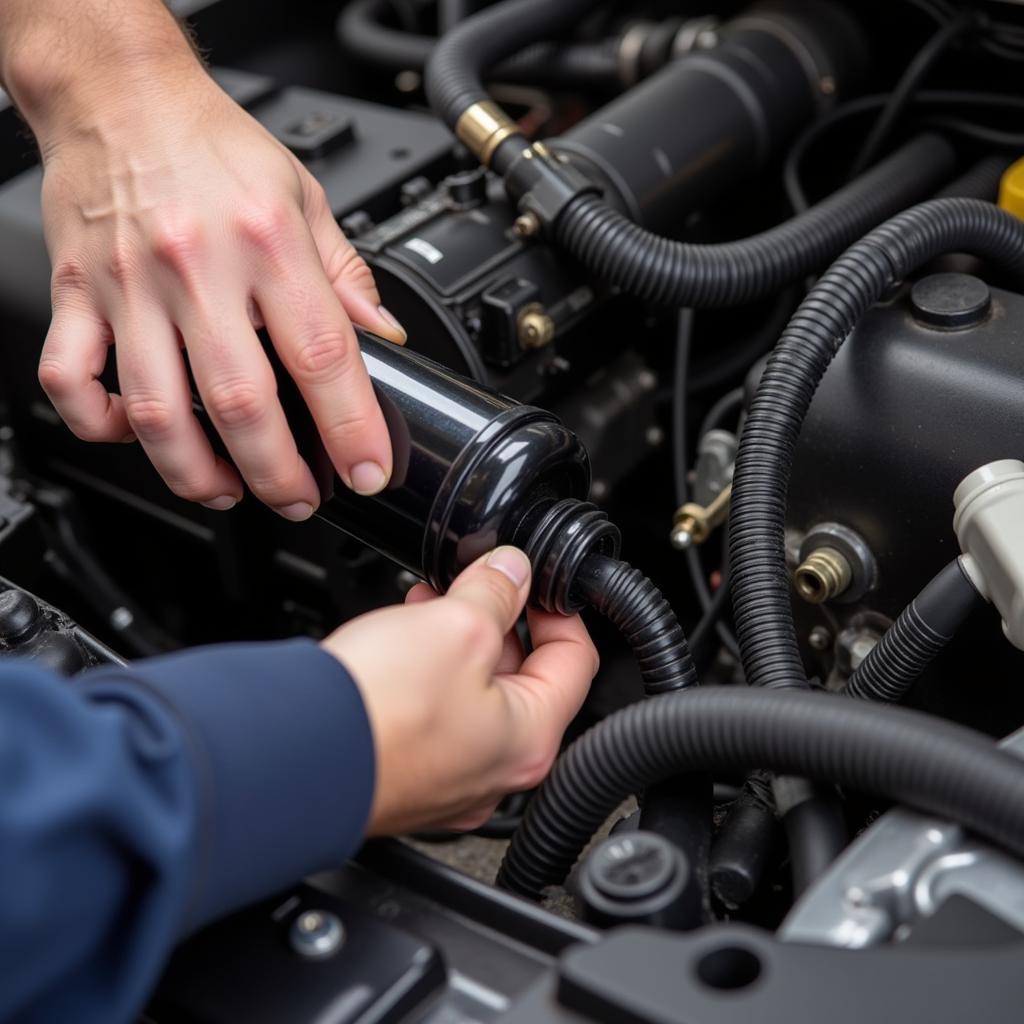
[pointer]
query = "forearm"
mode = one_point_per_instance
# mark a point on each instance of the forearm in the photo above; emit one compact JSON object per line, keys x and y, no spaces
{"x":63,"y":62}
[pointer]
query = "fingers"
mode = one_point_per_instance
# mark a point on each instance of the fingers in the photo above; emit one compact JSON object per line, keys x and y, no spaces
{"x":420,"y":593}
{"x":557,"y":674}
{"x":496,"y":585}
{"x":315,"y":340}
{"x":73,"y":357}
{"x":350,"y":277}
{"x":158,"y":406}
{"x":237,"y":385}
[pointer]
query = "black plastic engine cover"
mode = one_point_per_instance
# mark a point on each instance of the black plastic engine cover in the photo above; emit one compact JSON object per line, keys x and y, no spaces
{"x":908,"y":409}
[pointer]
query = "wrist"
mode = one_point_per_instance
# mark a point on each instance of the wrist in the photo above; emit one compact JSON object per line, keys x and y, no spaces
{"x":98,"y":75}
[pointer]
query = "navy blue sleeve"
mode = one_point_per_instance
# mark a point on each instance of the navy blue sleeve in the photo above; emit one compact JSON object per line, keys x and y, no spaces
{"x":138,"y":804}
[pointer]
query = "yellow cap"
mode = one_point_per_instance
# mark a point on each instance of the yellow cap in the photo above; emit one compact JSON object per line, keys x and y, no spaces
{"x":1011,"y":190}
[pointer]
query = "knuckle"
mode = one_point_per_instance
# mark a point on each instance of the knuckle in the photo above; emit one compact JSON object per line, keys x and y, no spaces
{"x":352,"y":268}
{"x":346,"y":430}
{"x":70,"y":276}
{"x":237,"y":403}
{"x":177,"y":244}
{"x":326,"y":353}
{"x":151,"y":416}
{"x":263,"y":225}
{"x":121,"y":264}
{"x":54,"y":376}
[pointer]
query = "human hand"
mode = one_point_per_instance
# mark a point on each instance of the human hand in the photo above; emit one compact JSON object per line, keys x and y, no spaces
{"x":460,"y":717}
{"x":175,"y":221}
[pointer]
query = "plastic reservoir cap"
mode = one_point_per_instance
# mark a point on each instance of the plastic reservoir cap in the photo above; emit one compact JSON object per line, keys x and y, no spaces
{"x":1011,"y":189}
{"x":989,"y":523}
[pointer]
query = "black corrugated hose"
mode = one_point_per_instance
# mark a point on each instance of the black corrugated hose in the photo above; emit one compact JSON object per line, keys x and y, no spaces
{"x":457,"y":65}
{"x":908,"y":757}
{"x":922,"y":630}
{"x":672,"y":273}
{"x":361,"y":30}
{"x":635,"y":606}
{"x":761,"y":587}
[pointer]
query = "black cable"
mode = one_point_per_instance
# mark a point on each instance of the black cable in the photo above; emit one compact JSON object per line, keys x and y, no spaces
{"x":994,"y":137}
{"x":727,"y":407}
{"x":761,"y":585}
{"x":935,"y":98}
{"x":680,"y":472}
{"x":905,"y":756}
{"x":909,"y":81}
{"x":451,"y":12}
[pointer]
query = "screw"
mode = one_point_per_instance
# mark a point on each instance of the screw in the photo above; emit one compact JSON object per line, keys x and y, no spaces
{"x":535,"y":326}
{"x":827,"y":85}
{"x":527,"y":225}
{"x":316,"y":934}
{"x":654,"y":436}
{"x":121,"y":618}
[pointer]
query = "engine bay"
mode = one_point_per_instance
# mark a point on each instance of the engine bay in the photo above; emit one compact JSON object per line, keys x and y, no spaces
{"x":717,"y":311}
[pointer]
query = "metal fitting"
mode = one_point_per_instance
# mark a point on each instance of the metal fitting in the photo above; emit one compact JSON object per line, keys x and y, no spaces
{"x":483,"y":127}
{"x":695,"y":523}
{"x":527,"y":225}
{"x":822,"y":576}
{"x":989,"y":524}
{"x":316,"y":934}
{"x":534,"y":326}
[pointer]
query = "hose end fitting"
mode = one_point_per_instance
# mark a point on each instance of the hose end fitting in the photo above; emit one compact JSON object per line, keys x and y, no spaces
{"x":483,"y":127}
{"x":824,"y":575}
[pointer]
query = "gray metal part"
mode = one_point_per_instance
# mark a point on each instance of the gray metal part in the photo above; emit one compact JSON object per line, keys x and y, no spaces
{"x":901,"y":870}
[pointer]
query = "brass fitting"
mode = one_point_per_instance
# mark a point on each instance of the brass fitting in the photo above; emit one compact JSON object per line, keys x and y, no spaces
{"x":534,"y":326}
{"x":483,"y":127}
{"x":527,"y":225}
{"x":823,"y":575}
{"x":694,"y":523}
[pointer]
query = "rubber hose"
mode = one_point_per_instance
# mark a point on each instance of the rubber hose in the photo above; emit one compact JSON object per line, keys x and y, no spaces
{"x":908,"y":757}
{"x":672,"y":273}
{"x":815,"y":826}
{"x":761,"y":586}
{"x":922,"y":630}
{"x":978,"y":182}
{"x":457,"y":64}
{"x":635,"y":606}
{"x":362,"y":34}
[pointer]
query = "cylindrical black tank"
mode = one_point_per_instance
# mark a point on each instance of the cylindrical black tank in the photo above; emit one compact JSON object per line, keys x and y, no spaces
{"x":708,"y":121}
{"x":472,"y":470}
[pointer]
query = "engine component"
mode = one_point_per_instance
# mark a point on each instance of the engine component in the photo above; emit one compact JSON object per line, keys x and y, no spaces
{"x":988,"y":526}
{"x":638,"y":878}
{"x":949,"y":399}
{"x":30,"y":628}
{"x":901,"y":754}
{"x":901,"y":870}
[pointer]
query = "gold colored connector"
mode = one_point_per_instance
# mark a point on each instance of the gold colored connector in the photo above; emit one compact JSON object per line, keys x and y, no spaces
{"x":483,"y":127}
{"x":694,"y":523}
{"x":824,"y":574}
{"x":535,"y":327}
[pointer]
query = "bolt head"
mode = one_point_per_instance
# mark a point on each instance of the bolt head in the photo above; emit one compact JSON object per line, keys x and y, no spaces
{"x":316,"y":934}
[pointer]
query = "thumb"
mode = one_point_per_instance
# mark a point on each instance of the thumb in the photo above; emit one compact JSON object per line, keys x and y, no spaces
{"x":498,"y":584}
{"x":350,"y":277}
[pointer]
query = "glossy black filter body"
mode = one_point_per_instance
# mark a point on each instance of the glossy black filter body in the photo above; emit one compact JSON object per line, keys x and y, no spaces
{"x":472,"y":469}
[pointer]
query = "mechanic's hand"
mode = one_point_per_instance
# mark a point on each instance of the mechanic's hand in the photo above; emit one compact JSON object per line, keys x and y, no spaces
{"x":460,"y":718}
{"x":174,"y":219}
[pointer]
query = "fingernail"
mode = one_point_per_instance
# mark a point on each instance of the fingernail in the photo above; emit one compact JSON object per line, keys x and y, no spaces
{"x":128,"y":439}
{"x":297,"y":513}
{"x":221,"y":504}
{"x":512,"y":562}
{"x":390,"y":317}
{"x":368,"y":478}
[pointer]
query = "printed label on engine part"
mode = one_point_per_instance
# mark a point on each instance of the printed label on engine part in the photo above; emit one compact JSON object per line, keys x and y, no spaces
{"x":423,"y":248}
